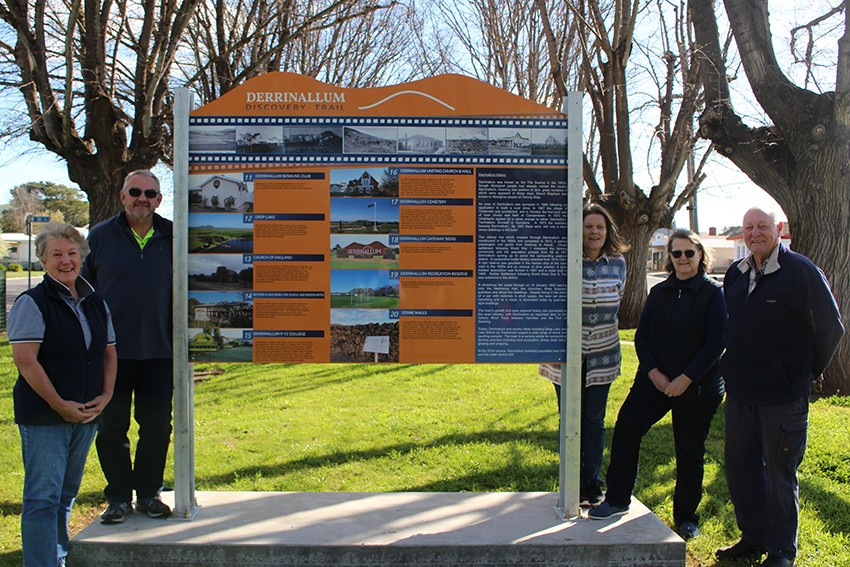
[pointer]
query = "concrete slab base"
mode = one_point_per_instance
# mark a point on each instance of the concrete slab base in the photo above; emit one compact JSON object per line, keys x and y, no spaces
{"x":418,"y":529}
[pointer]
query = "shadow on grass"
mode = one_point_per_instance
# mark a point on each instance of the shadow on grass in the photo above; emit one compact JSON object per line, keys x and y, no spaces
{"x":519,"y":475}
{"x":301,"y":378}
{"x":10,"y":509}
{"x":831,"y":508}
{"x":12,"y":558}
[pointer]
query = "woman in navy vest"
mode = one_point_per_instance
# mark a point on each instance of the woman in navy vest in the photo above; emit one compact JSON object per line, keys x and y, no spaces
{"x":64,"y":347}
{"x":678,"y":341}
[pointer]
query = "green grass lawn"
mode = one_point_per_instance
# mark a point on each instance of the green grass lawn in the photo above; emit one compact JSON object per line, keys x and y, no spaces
{"x":383,"y":428}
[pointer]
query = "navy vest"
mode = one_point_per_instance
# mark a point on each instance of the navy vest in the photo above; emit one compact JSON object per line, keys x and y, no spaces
{"x":75,"y":371}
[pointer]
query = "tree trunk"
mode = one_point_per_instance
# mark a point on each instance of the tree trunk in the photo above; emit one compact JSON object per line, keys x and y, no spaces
{"x":634,"y":297}
{"x":99,"y":184}
{"x":820,"y":229}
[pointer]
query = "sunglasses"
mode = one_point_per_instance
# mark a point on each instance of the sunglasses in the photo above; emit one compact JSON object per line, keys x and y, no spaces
{"x":136,"y":192}
{"x":678,"y":253}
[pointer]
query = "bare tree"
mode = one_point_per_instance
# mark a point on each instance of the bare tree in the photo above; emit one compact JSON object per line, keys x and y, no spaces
{"x":93,"y":76}
{"x":501,"y":42}
{"x":351,"y":42}
{"x":801,"y":158}
{"x":370,"y":50}
{"x":668,"y":85}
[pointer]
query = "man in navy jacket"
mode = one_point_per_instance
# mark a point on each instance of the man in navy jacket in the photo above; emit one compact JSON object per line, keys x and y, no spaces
{"x":782,"y":331}
{"x":130,"y":264}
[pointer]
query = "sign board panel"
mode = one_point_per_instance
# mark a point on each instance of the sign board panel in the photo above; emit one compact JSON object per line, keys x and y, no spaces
{"x":432,"y":214}
{"x":380,"y":345}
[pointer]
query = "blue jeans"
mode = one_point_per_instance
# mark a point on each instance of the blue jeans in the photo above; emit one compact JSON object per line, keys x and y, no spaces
{"x":54,"y":459}
{"x":594,"y":401}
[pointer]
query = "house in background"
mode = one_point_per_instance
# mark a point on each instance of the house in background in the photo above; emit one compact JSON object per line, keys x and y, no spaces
{"x":21,"y":250}
{"x":724,"y":249}
{"x":658,"y":250}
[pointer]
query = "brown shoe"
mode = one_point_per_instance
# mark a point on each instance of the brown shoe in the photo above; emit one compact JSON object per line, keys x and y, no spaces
{"x":741,"y":549}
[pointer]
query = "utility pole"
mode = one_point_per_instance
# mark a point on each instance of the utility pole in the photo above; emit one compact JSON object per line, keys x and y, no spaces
{"x":692,"y":202}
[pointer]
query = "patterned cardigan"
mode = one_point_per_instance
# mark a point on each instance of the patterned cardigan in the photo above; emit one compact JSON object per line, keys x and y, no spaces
{"x":603,"y":282}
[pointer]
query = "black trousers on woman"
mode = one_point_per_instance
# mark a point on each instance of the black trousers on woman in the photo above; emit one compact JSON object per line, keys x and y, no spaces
{"x":645,"y":406}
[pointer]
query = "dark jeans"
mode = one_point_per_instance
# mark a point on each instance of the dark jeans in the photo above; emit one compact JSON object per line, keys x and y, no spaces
{"x":594,"y":400}
{"x":644,"y":407}
{"x":151,"y":383}
{"x":765,"y":444}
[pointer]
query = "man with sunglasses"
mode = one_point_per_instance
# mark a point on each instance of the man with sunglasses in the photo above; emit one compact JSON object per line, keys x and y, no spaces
{"x":130,"y":264}
{"x":782,"y":331}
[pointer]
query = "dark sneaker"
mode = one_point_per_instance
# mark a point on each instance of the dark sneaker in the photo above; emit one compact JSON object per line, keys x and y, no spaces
{"x":586,"y":501}
{"x":688,"y":530}
{"x":606,"y":510}
{"x":153,"y":507}
{"x":116,"y":512}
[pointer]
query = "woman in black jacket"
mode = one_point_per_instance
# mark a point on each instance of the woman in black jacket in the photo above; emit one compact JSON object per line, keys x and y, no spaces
{"x":678,"y":341}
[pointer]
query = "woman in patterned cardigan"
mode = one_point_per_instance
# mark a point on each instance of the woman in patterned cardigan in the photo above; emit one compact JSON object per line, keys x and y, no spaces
{"x":603,"y":282}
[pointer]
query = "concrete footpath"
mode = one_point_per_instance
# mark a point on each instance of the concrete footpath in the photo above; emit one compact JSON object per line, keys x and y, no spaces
{"x":379,"y":529}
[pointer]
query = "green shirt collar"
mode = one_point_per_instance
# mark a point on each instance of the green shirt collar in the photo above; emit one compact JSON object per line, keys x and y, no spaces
{"x":142,"y":241}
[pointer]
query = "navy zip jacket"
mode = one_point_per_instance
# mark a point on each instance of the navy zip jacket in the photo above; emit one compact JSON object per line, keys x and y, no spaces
{"x":681,"y":332}
{"x":75,"y":371}
{"x":136,"y":284}
{"x":781,"y":336}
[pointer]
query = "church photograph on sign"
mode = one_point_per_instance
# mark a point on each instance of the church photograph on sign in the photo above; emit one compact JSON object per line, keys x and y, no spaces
{"x":371,"y":182}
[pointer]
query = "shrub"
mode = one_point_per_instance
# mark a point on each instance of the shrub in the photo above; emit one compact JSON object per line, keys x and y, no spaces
{"x":16,"y":268}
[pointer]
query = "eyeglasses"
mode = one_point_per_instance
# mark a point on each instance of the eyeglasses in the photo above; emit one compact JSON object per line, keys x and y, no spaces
{"x":136,"y":192}
{"x":678,"y":253}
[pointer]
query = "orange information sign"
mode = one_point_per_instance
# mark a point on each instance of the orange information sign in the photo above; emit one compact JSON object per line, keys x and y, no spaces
{"x":423,"y":222}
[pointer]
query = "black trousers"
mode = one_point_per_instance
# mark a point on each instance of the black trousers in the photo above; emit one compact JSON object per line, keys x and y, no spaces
{"x":644,"y":407}
{"x":765,"y":444}
{"x":150,"y":382}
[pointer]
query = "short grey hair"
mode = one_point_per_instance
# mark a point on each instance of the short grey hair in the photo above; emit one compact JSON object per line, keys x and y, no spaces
{"x":146,"y":173}
{"x":59,"y":230}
